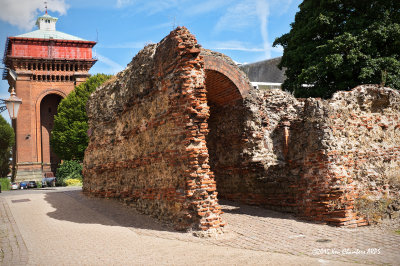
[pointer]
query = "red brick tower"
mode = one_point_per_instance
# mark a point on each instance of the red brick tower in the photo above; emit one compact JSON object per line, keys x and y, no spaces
{"x":49,"y":65}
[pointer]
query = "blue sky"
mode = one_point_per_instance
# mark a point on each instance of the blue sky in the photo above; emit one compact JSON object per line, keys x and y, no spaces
{"x":241,"y":29}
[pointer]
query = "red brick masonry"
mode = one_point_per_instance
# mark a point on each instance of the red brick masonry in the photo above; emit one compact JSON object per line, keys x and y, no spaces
{"x":181,"y":122}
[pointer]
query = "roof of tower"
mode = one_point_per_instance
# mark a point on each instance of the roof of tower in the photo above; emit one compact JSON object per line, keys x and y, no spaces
{"x":47,"y":30}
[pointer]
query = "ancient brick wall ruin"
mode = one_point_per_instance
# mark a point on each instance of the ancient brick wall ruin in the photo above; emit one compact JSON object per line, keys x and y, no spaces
{"x":181,"y":125}
{"x":147,"y":143}
{"x":317,"y":158}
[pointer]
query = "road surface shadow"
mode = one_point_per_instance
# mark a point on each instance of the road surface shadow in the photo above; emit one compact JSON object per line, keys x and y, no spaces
{"x":112,"y":212}
{"x":117,"y":214}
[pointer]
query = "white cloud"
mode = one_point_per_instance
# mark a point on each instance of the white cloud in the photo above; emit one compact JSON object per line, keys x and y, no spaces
{"x":237,"y":17}
{"x":263,"y":13}
{"x":249,"y":14}
{"x":241,"y":46}
{"x":122,"y":3}
{"x":23,"y":13}
{"x":234,"y":46}
{"x":114,"y":67}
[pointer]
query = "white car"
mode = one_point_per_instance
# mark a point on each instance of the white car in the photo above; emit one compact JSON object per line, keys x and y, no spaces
{"x":14,"y":185}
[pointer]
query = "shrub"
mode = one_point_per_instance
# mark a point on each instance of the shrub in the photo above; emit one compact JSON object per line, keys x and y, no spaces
{"x":73,"y":182}
{"x":5,"y":183}
{"x":68,"y":170}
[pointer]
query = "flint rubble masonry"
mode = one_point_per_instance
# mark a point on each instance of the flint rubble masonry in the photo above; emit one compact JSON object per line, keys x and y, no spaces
{"x":148,"y":141}
{"x":181,"y":121}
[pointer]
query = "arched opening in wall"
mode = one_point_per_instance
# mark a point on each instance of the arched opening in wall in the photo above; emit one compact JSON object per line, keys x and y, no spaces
{"x":48,"y":108}
{"x":224,"y":140}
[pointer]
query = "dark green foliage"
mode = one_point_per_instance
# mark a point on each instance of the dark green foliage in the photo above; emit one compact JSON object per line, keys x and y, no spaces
{"x":69,"y":135}
{"x":7,"y":140}
{"x":68,"y":170}
{"x":339,"y":44}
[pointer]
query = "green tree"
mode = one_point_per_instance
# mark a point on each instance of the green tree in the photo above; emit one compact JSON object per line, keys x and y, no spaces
{"x":7,"y":139}
{"x":339,"y":44}
{"x":69,"y":135}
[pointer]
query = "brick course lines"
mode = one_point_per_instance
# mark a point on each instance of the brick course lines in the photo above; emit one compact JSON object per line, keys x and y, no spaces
{"x":165,"y":136}
{"x":181,"y":125}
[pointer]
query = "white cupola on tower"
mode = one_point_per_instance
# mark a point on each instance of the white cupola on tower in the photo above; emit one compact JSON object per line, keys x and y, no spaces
{"x":46,"y":22}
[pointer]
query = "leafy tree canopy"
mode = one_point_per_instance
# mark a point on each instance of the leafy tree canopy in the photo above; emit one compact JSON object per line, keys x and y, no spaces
{"x":339,"y":44}
{"x":7,"y":139}
{"x":69,"y":135}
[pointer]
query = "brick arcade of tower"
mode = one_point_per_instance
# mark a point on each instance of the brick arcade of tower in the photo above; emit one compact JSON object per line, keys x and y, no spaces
{"x":49,"y":64}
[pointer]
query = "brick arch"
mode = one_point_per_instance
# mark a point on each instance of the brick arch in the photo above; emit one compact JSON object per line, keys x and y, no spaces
{"x":220,"y":89}
{"x":226,"y":87}
{"x":227,"y":76}
{"x":47,"y":92}
{"x":39,"y":99}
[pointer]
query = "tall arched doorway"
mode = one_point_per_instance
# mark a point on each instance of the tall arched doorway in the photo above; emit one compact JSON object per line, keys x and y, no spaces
{"x":48,"y":108}
{"x":225,"y":97}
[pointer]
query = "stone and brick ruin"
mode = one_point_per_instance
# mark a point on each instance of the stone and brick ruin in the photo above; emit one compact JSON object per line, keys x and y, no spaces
{"x":181,"y":127}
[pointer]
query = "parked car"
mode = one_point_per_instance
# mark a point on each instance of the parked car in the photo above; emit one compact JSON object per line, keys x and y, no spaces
{"x":49,"y":180}
{"x":32,"y":184}
{"x":23,"y":185}
{"x":14,"y":185}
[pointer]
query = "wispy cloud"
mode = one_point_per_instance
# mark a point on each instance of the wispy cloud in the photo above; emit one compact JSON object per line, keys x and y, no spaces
{"x":234,"y":46}
{"x":23,"y":13}
{"x":249,"y":14}
{"x":263,"y":13}
{"x":123,"y":3}
{"x":114,"y":67}
{"x":240,"y":46}
{"x":237,"y":17}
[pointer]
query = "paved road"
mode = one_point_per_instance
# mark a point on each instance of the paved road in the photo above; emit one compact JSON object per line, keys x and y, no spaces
{"x":63,"y":227}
